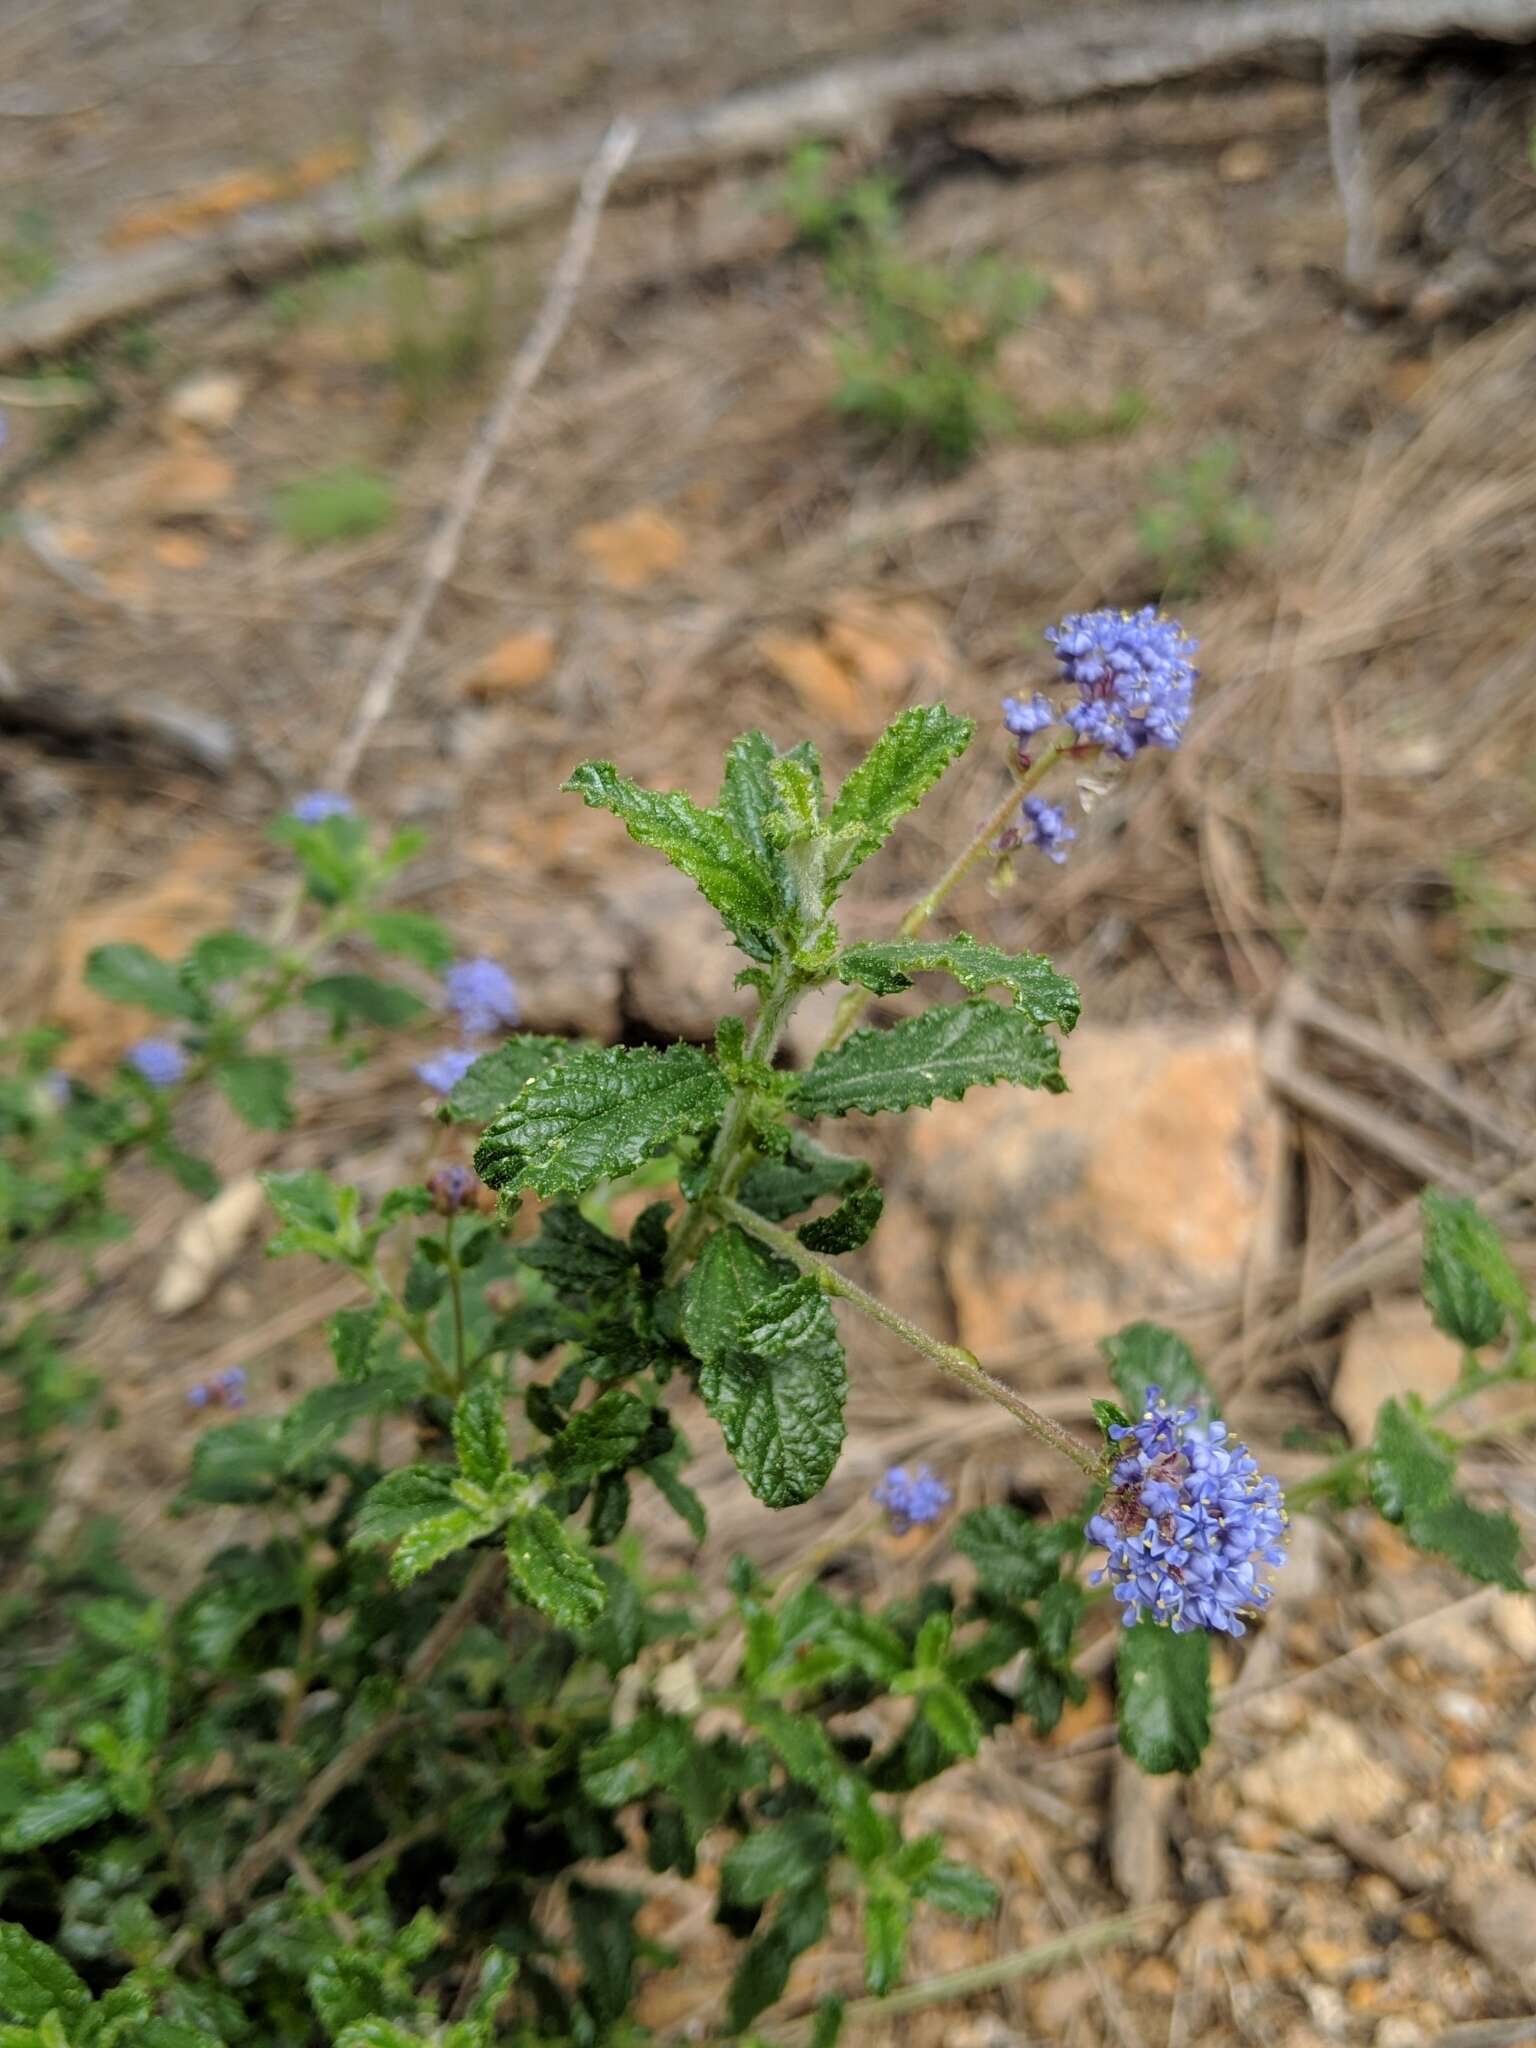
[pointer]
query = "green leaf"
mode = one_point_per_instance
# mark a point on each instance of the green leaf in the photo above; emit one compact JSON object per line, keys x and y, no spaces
{"x":255,"y":1085}
{"x":53,"y":1815}
{"x":575,"y":1256}
{"x":1145,"y":1355}
{"x":352,"y":1333}
{"x":777,"y":1188}
{"x":1411,"y":1467}
{"x":943,"y":1052}
{"x":34,"y":1981}
{"x":225,"y":956}
{"x":348,"y":996}
{"x":414,"y":1493}
{"x":1164,"y":1684}
{"x":600,"y":1437}
{"x":132,"y":974}
{"x":376,"y":2034}
{"x":1484,"y":1546}
{"x":778,"y":1858}
{"x":748,"y":799}
{"x":1468,"y":1281}
{"x":411,"y":935}
{"x":777,"y":1393}
{"x":1016,"y":1557}
{"x":223,"y":1611}
{"x":602,"y":1923}
{"x":887,"y":1915}
{"x":1110,"y":1415}
{"x":848,"y":1226}
{"x":195,"y":1175}
{"x":497,"y":1076}
{"x":427,"y":1543}
{"x":554,"y":1572}
{"x":957,"y":1888}
{"x":892,"y":779}
{"x":599,"y":1115}
{"x":763,"y":1972}
{"x":731,"y":1275}
{"x":1035,"y":986}
{"x":480,"y":1434}
{"x":304,"y":1200}
{"x":826,"y":2030}
{"x":704,"y":845}
{"x":237,"y":1464}
{"x":626,"y":1763}
{"x":678,"y":1495}
{"x":952,"y":1718}
{"x":319,"y":1420}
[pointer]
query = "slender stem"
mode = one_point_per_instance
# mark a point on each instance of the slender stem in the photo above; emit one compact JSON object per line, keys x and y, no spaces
{"x":852,"y":1007}
{"x":456,"y":1292}
{"x":951,"y":1358}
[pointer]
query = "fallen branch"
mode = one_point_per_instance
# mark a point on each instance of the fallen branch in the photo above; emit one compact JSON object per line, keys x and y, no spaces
{"x":1057,"y":61}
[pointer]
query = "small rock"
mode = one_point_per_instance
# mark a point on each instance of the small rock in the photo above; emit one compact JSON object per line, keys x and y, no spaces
{"x":1514,"y":1616}
{"x":1245,"y":162}
{"x":206,"y":1243}
{"x":635,"y":549}
{"x":210,"y":402}
{"x":1323,"y":1775}
{"x":1398,"y":2031}
{"x":185,"y":484}
{"x":1393,"y":1349}
{"x":519,"y":662}
{"x":1493,"y":1908}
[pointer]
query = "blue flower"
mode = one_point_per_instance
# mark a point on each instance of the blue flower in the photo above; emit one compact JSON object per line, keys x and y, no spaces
{"x":321,"y":804}
{"x":159,"y":1061}
{"x":483,"y":994}
{"x":911,"y":1498}
{"x":446,"y":1069}
{"x":1025,"y":717}
{"x":1188,"y":1519}
{"x":1135,"y":675}
{"x":1048,"y":828}
{"x":226,"y":1389}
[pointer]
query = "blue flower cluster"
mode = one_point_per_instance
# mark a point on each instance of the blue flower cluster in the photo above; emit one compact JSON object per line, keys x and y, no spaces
{"x":446,"y":1069}
{"x":321,"y":804}
{"x":1046,"y":827}
{"x":225,"y":1390}
{"x":912,"y":1498}
{"x":1187,"y":1521}
{"x":1135,"y":675}
{"x":484,"y":997}
{"x":159,"y":1061}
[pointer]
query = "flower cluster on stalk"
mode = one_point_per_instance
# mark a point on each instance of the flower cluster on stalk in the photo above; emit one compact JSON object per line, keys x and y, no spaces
{"x":159,"y":1061}
{"x":484,"y":998}
{"x":912,"y":1499}
{"x":1188,"y":1520}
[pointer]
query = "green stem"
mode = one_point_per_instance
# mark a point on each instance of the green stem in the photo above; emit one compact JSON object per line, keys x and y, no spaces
{"x":950,"y":1358}
{"x":456,"y":1294}
{"x":853,"y":1005}
{"x":729,"y":1157}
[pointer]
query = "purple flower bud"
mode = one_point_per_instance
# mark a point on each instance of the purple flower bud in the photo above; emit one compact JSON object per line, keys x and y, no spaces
{"x":452,"y":1188}
{"x":1047,"y":828}
{"x":446,"y":1069}
{"x":321,"y":804}
{"x":484,"y":996}
{"x":1025,"y":716}
{"x":1135,"y":676}
{"x":912,"y":1498}
{"x":1187,"y":1520}
{"x":159,"y":1061}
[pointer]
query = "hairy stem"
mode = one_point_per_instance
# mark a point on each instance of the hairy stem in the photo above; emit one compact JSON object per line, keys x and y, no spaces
{"x":960,"y":1364}
{"x":853,"y":1005}
{"x":456,"y":1293}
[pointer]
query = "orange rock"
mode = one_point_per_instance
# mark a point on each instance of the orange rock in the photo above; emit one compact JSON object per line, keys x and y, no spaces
{"x":519,"y":662}
{"x":825,"y":688}
{"x":185,"y":483}
{"x":635,"y":549}
{"x":180,"y":551}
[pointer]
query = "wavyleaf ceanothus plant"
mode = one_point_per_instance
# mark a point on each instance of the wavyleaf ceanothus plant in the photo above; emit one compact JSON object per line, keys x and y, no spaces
{"x":359,"y":1785}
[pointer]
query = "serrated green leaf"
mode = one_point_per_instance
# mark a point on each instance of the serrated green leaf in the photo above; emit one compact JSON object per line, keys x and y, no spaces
{"x":1164,"y":1685}
{"x":731,"y":1275}
{"x":411,"y":935}
{"x":414,"y":1493}
{"x":359,"y":996}
{"x":305,"y":1200}
{"x":748,"y":799}
{"x":624,"y":1764}
{"x":1469,"y":1284}
{"x":827,"y":2027}
{"x":319,"y":1420}
{"x":376,"y":2034}
{"x":598,"y":1115}
{"x":428,"y":1542}
{"x":225,"y":956}
{"x":1484,"y":1546}
{"x":34,"y":1979}
{"x":763,"y":1972}
{"x":132,"y":974}
{"x":887,"y":1916}
{"x":777,"y":1188}
{"x":53,"y":1815}
{"x":943,"y":1052}
{"x":678,"y":1495}
{"x":952,"y":1718}
{"x":352,"y":1334}
{"x":1411,"y":1467}
{"x":575,"y":1256}
{"x":1110,"y":1415}
{"x":781,"y":1857}
{"x":480,"y":1435}
{"x":1035,"y":986}
{"x":1016,"y":1558}
{"x":602,"y":1923}
{"x":957,"y":1888}
{"x":704,"y":845}
{"x":195,"y":1175}
{"x":146,"y":1709}
{"x":777,"y":1393}
{"x":255,"y":1085}
{"x":497,"y":1076}
{"x":237,"y":1464}
{"x":893,"y":778}
{"x":600,"y":1437}
{"x":849,"y":1225}
{"x":222,"y":1613}
{"x":1146,"y":1355}
{"x":553,"y":1571}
